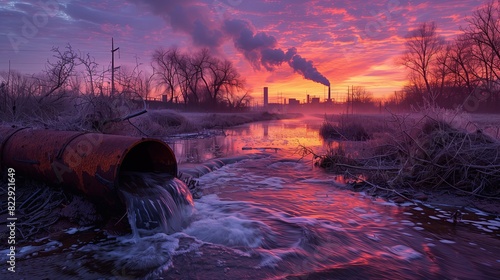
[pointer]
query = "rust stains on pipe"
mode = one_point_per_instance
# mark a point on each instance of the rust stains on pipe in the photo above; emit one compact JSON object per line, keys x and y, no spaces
{"x":88,"y":162}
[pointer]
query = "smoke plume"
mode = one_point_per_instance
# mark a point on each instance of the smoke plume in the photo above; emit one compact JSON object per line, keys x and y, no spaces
{"x":259,"y":48}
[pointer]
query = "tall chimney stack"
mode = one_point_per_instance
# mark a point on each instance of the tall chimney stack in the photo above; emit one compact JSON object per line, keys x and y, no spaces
{"x":329,"y":95}
{"x":266,"y":96}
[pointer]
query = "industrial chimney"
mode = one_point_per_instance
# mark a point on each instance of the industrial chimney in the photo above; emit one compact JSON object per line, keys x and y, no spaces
{"x":329,"y":95}
{"x":266,"y":96}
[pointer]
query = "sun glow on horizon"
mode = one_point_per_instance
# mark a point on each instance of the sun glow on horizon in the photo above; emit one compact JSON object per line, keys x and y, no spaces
{"x":348,"y":44}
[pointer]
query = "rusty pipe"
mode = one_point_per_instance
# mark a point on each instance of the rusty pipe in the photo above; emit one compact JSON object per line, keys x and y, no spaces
{"x":88,"y":162}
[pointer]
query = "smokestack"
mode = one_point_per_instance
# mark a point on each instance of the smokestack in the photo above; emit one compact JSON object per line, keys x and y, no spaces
{"x":266,"y":96}
{"x":308,"y":99}
{"x":329,"y":95}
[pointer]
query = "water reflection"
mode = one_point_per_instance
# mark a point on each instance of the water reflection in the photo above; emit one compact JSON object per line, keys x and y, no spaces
{"x":300,"y":222}
{"x":275,"y":134}
{"x":268,"y":215}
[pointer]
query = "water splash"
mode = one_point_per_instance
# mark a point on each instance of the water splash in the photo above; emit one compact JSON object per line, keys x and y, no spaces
{"x":156,"y":202}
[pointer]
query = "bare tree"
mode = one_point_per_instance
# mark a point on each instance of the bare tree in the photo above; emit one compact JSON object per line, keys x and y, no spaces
{"x":219,"y":78}
{"x":201,"y":78}
{"x":483,"y":32}
{"x":183,"y":76}
{"x":91,"y":76}
{"x":423,"y":45}
{"x":361,"y":95}
{"x":58,"y":72}
{"x":199,"y":64}
{"x":165,"y":67}
{"x":238,"y":101}
{"x":17,"y":95}
{"x":462,"y":65}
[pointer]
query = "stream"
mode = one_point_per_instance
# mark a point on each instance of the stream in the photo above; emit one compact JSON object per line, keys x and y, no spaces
{"x":267,"y":213}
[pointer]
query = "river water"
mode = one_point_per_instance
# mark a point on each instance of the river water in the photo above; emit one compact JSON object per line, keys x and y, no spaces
{"x":266,"y":213}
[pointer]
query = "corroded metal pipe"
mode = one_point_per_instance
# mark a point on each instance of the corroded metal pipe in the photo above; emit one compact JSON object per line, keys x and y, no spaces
{"x":88,"y":162}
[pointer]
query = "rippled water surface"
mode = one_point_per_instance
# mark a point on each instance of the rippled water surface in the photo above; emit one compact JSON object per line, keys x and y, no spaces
{"x":266,"y":214}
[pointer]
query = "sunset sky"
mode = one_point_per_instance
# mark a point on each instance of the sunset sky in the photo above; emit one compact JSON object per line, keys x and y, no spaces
{"x":349,"y":42}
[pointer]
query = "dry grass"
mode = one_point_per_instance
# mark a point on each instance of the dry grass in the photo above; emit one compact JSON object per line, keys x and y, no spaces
{"x":350,"y":132}
{"x":36,"y":205}
{"x":430,"y":151}
{"x":126,"y":114}
{"x":163,"y":123}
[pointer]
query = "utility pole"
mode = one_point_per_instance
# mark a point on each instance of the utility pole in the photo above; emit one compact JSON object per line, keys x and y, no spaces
{"x":352,"y":99}
{"x":113,"y":68}
{"x":7,"y":90}
{"x":347,"y":102}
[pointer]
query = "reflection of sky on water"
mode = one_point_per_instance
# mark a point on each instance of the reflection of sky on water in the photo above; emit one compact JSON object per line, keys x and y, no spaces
{"x":285,"y":135}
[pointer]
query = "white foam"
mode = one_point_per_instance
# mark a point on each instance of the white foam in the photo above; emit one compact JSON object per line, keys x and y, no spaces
{"x":72,"y":231}
{"x":373,"y":237}
{"x":403,"y":252}
{"x":25,"y":251}
{"x":406,"y":204}
{"x":386,"y":203}
{"x":374,"y":217}
{"x":273,"y":182}
{"x":271,"y":258}
{"x":229,"y":231}
{"x":407,"y":223}
{"x":335,"y":227}
{"x":135,"y":256}
{"x":446,"y":241}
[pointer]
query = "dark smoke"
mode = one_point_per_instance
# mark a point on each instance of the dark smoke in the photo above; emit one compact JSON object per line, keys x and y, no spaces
{"x":259,"y":48}
{"x":189,"y":17}
{"x":251,"y":44}
{"x":307,"y":69}
{"x":270,"y":58}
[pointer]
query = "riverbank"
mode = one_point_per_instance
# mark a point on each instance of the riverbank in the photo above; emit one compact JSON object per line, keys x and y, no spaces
{"x":48,"y":210}
{"x":289,"y":216}
{"x":155,"y":122}
{"x":165,"y":123}
{"x":435,"y":156}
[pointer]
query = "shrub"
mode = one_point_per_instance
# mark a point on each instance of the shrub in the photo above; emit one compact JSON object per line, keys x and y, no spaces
{"x":346,"y":131}
{"x":425,"y":153}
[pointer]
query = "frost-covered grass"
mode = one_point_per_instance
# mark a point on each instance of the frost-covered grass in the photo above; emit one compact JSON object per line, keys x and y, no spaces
{"x":161,"y":123}
{"x":431,"y":150}
{"x":128,"y":116}
{"x":352,"y":131}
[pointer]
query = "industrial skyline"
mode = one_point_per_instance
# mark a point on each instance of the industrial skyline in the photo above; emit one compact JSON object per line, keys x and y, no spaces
{"x":293,"y":47}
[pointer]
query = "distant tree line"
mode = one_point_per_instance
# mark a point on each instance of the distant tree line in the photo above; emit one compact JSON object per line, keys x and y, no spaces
{"x":39,"y":95}
{"x":199,"y":79}
{"x":464,"y":72}
{"x":360,"y":100}
{"x":74,"y":80}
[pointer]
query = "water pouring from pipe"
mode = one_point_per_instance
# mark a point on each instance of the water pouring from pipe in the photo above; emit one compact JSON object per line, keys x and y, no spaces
{"x":118,"y":173}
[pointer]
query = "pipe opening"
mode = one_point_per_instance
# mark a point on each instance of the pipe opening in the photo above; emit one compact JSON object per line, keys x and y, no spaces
{"x":149,"y":156}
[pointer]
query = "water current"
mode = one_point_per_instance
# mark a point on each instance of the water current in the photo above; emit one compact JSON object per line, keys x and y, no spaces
{"x":265,"y":213}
